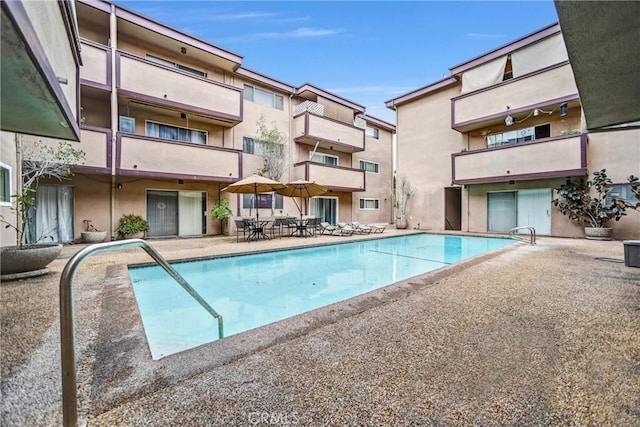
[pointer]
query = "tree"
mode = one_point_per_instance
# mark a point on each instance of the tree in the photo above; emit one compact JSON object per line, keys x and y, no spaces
{"x":39,"y":160}
{"x":274,"y":152}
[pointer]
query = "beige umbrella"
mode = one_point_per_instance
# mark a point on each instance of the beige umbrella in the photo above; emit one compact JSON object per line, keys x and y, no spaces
{"x":303,"y":189}
{"x":254,"y":184}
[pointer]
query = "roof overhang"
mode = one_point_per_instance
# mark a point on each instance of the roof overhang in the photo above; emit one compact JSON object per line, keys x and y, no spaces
{"x":602,"y":43}
{"x":32,"y":101}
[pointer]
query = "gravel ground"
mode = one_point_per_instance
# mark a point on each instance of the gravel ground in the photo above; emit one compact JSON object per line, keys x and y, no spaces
{"x":531,"y":335}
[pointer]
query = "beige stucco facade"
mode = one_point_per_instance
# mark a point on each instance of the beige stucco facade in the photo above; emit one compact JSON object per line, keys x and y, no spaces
{"x":166,"y":118}
{"x":488,"y":153}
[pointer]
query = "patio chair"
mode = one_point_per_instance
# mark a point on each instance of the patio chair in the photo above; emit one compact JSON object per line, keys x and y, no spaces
{"x":326,"y":228}
{"x":289,"y":226}
{"x":361,"y":228}
{"x":275,"y":227}
{"x":312,"y":224}
{"x":346,"y":230}
{"x":241,"y":227}
{"x":378,"y":227}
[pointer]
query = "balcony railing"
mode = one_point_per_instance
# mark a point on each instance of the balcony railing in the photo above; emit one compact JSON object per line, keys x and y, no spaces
{"x":328,"y":133}
{"x":546,"y":158}
{"x":153,"y":157}
{"x":96,"y":144}
{"x":96,"y":65}
{"x":540,"y":89}
{"x":335,"y":177}
{"x":140,"y":79}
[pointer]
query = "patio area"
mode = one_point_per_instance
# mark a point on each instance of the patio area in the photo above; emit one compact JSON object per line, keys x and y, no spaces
{"x":526,"y":335}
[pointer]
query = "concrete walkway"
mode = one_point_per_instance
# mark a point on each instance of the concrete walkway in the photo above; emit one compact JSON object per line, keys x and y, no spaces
{"x":527,"y":335}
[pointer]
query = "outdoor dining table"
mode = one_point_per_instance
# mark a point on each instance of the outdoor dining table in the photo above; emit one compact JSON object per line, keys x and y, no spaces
{"x":256,"y":229}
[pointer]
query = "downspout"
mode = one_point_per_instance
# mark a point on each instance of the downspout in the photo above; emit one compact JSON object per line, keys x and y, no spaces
{"x":113,"y":37}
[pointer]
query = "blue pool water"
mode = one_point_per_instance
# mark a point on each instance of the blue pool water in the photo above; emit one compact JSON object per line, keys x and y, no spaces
{"x":254,"y":290}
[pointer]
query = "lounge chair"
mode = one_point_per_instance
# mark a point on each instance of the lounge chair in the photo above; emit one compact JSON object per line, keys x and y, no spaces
{"x":346,"y":230}
{"x":378,"y":227}
{"x":361,"y":228}
{"x":326,"y":228}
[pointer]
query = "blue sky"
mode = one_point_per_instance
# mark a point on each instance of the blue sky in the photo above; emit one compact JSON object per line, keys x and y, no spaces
{"x":365,"y":51}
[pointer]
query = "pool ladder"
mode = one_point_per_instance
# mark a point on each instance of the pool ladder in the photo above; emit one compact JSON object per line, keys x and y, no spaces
{"x":530,"y":237}
{"x":67,"y":332}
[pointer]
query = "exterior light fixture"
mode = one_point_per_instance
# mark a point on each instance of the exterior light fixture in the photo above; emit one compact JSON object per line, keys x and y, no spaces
{"x":508,"y":120}
{"x":564,"y":107}
{"x":536,"y":112}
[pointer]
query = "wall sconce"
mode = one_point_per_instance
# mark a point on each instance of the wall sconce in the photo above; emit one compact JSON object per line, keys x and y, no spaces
{"x":119,"y":186}
{"x":508,"y":120}
{"x":564,"y":108}
{"x":183,"y":116}
{"x":183,"y":50}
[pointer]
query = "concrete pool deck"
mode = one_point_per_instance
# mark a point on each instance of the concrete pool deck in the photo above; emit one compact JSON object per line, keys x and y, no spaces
{"x":545,"y":334}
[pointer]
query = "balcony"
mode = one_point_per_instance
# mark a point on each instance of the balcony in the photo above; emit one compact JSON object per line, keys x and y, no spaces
{"x":337,"y":178}
{"x":96,"y":66}
{"x":96,"y":144}
{"x":546,"y":158}
{"x":139,"y":155}
{"x":159,"y":85}
{"x":328,"y":133}
{"x":488,"y":106}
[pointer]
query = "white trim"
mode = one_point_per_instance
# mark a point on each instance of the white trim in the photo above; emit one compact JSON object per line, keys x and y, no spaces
{"x":311,"y":154}
{"x":361,"y":199}
{"x":360,"y":161}
{"x":10,"y":175}
{"x":206,"y":134}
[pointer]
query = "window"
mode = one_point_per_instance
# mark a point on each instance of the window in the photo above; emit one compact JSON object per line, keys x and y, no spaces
{"x":520,"y":135}
{"x":371,"y":167}
{"x":263,"y":201}
{"x":263,"y":97}
{"x":327,"y":159}
{"x":260,"y":148}
{"x":127,"y":124}
{"x":508,"y":70}
{"x":175,"y":133}
{"x":623,"y":191}
{"x":373,"y":132}
{"x":368,"y":204}
{"x":5,"y":184}
{"x":176,"y":65}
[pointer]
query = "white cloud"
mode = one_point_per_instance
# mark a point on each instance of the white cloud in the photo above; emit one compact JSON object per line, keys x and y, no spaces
{"x":302,"y":32}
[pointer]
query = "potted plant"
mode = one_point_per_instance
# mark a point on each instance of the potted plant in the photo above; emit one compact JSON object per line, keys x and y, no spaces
{"x":92,"y":234}
{"x":132,"y":226}
{"x":592,"y":204}
{"x":25,"y":260}
{"x":221,"y":211}
{"x":403,"y":192}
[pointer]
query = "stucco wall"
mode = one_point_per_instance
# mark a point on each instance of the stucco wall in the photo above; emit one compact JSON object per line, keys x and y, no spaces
{"x":425,"y":143}
{"x":8,"y":159}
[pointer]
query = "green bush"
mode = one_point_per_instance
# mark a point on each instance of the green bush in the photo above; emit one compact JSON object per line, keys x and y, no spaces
{"x":132,"y":224}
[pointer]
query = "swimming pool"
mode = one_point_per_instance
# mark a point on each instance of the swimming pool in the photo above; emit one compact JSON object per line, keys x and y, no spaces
{"x":254,"y":290}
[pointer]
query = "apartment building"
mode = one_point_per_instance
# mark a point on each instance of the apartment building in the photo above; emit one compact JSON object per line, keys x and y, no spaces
{"x":40,"y":63}
{"x":168,"y":120}
{"x":486,"y":147}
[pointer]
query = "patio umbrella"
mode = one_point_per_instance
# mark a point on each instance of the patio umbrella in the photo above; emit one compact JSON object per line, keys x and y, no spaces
{"x":254,"y":184}
{"x":302,"y":189}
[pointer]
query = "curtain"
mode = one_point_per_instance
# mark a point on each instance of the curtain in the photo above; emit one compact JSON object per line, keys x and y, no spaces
{"x":484,"y":75}
{"x":190,"y":213}
{"x":52,"y":217}
{"x":549,"y":51}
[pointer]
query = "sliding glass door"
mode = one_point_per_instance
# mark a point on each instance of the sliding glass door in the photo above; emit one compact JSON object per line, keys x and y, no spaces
{"x":176,"y":213}
{"x":52,"y":217}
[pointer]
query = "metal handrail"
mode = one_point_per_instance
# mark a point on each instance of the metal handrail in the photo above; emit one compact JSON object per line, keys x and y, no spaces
{"x":532,"y":234}
{"x":67,"y":332}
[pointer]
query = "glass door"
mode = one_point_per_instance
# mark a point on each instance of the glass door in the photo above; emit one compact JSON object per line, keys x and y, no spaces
{"x":501,"y":211}
{"x":162,"y":213}
{"x":325,"y":208}
{"x":52,"y":218}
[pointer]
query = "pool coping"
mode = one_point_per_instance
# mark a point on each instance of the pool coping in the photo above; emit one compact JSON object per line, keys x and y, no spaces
{"x":124,"y":369}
